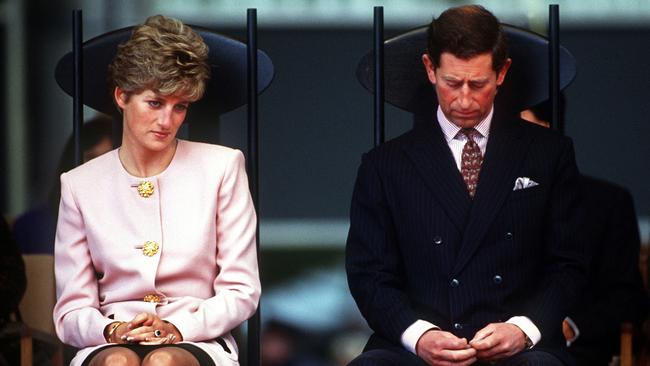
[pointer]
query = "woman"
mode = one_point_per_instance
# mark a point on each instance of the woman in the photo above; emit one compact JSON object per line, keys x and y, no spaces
{"x":155,"y":254}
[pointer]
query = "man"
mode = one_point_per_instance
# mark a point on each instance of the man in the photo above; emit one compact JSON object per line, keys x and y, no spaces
{"x":614,"y":292}
{"x":461,"y":246}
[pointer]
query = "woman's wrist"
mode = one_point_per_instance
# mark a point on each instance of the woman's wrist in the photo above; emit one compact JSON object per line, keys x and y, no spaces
{"x":172,"y":329}
{"x":110,"y":331}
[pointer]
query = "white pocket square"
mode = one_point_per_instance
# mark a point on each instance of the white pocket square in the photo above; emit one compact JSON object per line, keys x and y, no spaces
{"x":523,"y":183}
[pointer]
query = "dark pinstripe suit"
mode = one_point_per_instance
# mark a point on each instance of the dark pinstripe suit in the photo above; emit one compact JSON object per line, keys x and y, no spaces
{"x":419,"y":248}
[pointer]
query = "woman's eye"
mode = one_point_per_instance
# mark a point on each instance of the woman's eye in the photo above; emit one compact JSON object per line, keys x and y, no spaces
{"x":181,"y":107}
{"x":154,"y":103}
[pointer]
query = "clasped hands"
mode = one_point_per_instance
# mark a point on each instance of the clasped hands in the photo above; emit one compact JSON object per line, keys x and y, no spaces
{"x":144,"y":328}
{"x":494,"y":342}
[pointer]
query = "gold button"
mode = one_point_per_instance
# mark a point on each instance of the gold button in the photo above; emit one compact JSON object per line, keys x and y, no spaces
{"x":151,"y":298}
{"x":145,"y":189}
{"x":150,"y":248}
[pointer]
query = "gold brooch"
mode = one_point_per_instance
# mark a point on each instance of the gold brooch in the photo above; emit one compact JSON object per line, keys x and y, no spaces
{"x":150,"y":248}
{"x":145,"y":189}
{"x":151,"y":298}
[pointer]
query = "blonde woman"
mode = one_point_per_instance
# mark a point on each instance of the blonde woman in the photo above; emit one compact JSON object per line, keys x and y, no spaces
{"x":155,"y":254}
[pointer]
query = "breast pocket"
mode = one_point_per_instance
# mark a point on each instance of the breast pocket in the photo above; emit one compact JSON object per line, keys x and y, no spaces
{"x":526,"y":193}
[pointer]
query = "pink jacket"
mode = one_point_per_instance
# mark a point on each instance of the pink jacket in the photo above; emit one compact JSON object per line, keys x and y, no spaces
{"x":203,"y":276}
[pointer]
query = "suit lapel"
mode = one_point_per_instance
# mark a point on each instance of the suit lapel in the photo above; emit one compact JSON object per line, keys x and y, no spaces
{"x":435,"y":163}
{"x":504,"y":155}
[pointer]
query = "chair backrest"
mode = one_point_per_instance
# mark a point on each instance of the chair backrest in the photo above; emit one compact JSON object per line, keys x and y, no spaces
{"x":39,"y":299}
{"x":226,"y":89}
{"x":526,"y":84}
{"x":644,"y":263}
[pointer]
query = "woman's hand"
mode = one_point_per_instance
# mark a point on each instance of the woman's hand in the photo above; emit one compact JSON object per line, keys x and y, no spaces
{"x":149,"y":329}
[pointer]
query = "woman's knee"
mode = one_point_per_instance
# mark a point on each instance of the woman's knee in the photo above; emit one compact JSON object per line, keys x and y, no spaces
{"x":115,"y":356}
{"x":170,"y":356}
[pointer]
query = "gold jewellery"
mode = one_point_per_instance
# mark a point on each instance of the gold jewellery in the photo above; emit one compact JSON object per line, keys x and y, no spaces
{"x":145,"y":189}
{"x":111,"y":331}
{"x":150,"y":248}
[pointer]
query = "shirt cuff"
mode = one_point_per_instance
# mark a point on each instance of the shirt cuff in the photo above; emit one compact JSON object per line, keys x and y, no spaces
{"x":527,"y":326}
{"x":412,"y":334}
{"x":576,"y":331}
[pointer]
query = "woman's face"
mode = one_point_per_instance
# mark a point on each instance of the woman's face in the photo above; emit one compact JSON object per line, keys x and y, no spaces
{"x":150,"y":120}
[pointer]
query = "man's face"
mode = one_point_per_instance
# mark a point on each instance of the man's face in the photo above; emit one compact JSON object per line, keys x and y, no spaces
{"x":465,"y":88}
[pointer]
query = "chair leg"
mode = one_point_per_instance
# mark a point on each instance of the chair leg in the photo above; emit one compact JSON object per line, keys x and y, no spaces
{"x":626,"y":344}
{"x":57,"y":357}
{"x":26,"y":350}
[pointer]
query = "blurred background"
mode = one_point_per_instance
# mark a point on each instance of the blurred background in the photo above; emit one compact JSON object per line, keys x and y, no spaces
{"x":316,"y":121}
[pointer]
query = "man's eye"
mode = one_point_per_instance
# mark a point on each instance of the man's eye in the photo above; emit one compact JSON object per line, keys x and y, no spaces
{"x":454,"y":85}
{"x":477,"y":85}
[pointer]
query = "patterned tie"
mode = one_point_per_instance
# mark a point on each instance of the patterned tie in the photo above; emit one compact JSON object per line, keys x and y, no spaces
{"x":470,"y":165}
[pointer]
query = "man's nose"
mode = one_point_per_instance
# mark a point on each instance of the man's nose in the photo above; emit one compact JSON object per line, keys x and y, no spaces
{"x":465,"y":98}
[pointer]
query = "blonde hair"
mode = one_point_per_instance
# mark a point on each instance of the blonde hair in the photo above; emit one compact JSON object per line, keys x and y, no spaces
{"x":163,"y":55}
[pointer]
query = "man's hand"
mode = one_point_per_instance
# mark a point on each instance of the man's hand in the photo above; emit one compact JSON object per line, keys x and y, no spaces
{"x":440,"y":348}
{"x":567,"y":330}
{"x":498,"y":341}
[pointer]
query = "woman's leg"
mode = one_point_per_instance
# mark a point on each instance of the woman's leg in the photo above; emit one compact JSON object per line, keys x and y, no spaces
{"x":170,"y":356}
{"x":115,"y":356}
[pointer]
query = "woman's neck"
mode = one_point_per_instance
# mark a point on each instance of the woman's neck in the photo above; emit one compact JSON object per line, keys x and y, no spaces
{"x":146,"y":163}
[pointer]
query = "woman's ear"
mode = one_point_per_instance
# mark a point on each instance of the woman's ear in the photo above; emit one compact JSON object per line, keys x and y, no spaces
{"x":121,"y":97}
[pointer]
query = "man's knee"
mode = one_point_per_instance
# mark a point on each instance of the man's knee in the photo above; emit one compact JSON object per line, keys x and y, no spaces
{"x":371,"y":358}
{"x":532,"y":358}
{"x":386,"y":357}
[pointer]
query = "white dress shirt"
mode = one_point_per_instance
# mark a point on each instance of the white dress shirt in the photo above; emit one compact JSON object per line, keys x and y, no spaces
{"x":456,"y":142}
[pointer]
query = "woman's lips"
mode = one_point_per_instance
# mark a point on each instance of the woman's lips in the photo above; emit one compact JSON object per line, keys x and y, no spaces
{"x":160,"y":135}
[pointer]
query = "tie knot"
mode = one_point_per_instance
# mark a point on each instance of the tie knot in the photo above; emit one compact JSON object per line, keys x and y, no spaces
{"x":469,"y":133}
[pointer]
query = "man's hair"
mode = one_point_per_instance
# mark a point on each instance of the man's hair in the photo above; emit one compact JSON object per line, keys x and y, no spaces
{"x":466,"y":32}
{"x":163,"y":55}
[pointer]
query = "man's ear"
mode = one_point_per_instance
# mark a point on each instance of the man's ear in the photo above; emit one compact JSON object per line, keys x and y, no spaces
{"x":121,"y":97}
{"x":501,"y":75}
{"x":430,"y":68}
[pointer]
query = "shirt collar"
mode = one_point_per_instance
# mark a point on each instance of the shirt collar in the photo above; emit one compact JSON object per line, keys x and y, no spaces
{"x":451,"y":130}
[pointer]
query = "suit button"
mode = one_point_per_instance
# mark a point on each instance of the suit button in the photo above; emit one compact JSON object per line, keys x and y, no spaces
{"x":150,"y":248}
{"x":454,"y":283}
{"x":508,"y":236}
{"x":458,"y":326}
{"x":437,"y":240}
{"x":151,"y":298}
{"x":497,"y":279}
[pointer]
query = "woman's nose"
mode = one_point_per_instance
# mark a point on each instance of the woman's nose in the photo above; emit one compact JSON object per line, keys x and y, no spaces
{"x":165,"y":118}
